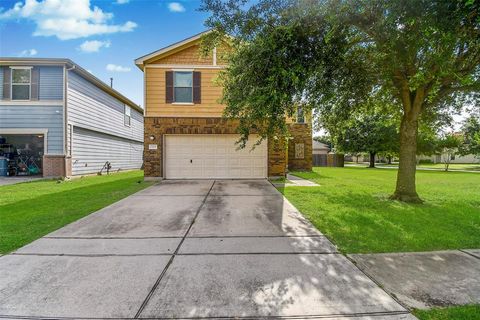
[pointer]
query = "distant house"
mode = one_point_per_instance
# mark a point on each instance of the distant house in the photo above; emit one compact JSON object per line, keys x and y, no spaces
{"x":57,"y":119}
{"x":440,"y":158}
{"x":319,"y":147}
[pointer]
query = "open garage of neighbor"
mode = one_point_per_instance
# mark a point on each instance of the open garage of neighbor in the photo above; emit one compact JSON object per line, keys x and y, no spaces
{"x":213,"y":156}
{"x":21,"y":154}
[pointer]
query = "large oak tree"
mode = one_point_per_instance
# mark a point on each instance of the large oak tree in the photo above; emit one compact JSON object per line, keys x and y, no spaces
{"x":420,"y":56}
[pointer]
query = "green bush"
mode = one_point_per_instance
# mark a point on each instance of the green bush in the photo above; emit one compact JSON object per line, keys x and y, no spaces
{"x":425,"y":161}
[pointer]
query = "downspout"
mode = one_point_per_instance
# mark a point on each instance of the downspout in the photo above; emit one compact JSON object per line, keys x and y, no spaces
{"x":65,"y":117}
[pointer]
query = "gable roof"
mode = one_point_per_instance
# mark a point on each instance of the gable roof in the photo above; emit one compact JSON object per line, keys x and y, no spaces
{"x":140,"y":62}
{"x":6,"y":61}
{"x":319,"y":145}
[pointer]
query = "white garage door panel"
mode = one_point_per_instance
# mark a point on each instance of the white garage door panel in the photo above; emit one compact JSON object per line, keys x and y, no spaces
{"x":213,"y":156}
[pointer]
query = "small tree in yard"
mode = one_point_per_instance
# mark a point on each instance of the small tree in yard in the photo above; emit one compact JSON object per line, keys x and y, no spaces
{"x":371,"y":134}
{"x":448,"y":147}
{"x":471,"y":133}
{"x":420,"y":56}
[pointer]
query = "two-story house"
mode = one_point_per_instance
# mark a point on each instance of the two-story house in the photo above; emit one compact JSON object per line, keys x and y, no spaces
{"x":57,"y":119}
{"x":185,"y":134}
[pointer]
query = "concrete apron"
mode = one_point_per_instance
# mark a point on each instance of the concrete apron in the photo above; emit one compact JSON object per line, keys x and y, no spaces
{"x":190,"y":249}
{"x":426,"y":279}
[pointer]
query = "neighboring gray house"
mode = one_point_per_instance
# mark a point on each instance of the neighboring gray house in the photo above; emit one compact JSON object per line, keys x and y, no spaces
{"x":57,"y":119}
{"x":319,"y":147}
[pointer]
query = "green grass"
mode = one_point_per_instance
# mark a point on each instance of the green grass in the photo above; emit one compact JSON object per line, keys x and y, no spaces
{"x":31,"y":210}
{"x":453,"y":166}
{"x":470,"y":312}
{"x":438,"y":166}
{"x":352,"y":208}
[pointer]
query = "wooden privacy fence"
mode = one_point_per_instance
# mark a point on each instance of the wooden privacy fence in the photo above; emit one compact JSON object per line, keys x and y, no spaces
{"x":328,"y":160}
{"x":319,"y":160}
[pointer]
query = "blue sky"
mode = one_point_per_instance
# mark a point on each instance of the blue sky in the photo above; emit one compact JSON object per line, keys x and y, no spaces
{"x":103,"y":37}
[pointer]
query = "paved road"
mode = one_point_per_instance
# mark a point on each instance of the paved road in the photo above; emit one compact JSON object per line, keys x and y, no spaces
{"x":190,"y":249}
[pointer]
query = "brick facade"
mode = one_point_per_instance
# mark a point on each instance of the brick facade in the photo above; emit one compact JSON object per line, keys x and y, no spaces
{"x":277,"y":158}
{"x":54,"y":166}
{"x":300,"y":147}
{"x":156,"y":127}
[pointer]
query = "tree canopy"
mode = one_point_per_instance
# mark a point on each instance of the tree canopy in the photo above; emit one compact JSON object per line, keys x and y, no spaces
{"x":471,"y":134}
{"x":420,"y":57}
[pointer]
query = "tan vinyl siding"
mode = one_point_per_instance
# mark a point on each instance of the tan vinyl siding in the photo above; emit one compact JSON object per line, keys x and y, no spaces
{"x":190,"y":55}
{"x":155,"y":96}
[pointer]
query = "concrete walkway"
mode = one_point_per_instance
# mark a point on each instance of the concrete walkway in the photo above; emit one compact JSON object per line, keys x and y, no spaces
{"x":4,"y":181}
{"x":379,"y":166}
{"x":426,"y":279}
{"x":294,"y":181}
{"x":190,"y":249}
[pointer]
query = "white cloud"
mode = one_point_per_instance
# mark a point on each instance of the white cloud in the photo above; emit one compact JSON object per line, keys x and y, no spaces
{"x":66,"y":19}
{"x":28,"y":53}
{"x":116,"y":68}
{"x":93,"y":46}
{"x":176,"y":7}
{"x":122,"y":1}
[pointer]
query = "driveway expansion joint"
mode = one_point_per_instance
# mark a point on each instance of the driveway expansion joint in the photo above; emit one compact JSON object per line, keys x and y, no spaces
{"x":147,"y":299}
{"x":470,"y":254}
{"x":355,"y":263}
{"x":299,"y":317}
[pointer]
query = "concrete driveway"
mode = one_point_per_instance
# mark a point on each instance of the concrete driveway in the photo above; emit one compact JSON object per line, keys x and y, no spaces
{"x":190,"y":249}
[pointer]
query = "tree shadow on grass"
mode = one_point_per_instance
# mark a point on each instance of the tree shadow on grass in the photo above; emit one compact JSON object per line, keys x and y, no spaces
{"x":359,"y":222}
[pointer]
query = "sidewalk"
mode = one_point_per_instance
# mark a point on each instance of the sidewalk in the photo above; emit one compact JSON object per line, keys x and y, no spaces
{"x":380,"y":166}
{"x":426,"y":279}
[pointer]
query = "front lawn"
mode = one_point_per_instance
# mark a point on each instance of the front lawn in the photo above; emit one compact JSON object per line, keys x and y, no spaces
{"x":31,"y":210}
{"x":471,"y":312}
{"x":352,"y":208}
{"x":437,"y":166}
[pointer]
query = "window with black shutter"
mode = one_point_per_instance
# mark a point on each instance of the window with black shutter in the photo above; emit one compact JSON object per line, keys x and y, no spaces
{"x":183,"y":87}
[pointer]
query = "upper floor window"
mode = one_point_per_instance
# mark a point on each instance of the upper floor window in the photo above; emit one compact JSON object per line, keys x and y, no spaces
{"x":127,"y":116}
{"x":21,"y":83}
{"x":300,"y":115}
{"x":183,"y":86}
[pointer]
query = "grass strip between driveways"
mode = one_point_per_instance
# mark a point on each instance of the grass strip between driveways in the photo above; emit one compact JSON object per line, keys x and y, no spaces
{"x":352,"y":208}
{"x":469,"y":312}
{"x":31,"y":210}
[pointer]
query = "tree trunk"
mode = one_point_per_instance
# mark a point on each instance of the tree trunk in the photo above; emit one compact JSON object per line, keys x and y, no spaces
{"x":406,"y":188}
{"x":389,"y":159}
{"x":372,"y":160}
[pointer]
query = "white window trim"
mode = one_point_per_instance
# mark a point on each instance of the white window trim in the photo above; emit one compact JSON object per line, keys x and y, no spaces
{"x":30,"y":131}
{"x":183,"y":103}
{"x":29,"y":84}
{"x":303,"y":116}
{"x":214,"y":56}
{"x":127,"y":112}
{"x":174,"y":74}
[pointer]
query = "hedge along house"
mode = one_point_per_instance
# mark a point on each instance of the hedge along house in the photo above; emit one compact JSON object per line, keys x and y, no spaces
{"x":57,"y":119}
{"x":185,"y":134}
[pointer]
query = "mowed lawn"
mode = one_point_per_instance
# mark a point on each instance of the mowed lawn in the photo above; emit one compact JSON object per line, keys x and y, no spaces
{"x":31,"y":210}
{"x":468,"y":312}
{"x":352,"y":208}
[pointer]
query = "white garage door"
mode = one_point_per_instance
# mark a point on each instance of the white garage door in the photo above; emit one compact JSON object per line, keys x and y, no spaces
{"x":213,"y":156}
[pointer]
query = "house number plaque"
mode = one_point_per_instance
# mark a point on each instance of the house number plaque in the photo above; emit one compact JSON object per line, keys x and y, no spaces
{"x":299,"y":151}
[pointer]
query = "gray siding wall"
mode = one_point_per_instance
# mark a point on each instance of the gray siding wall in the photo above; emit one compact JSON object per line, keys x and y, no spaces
{"x":91,"y":108}
{"x":38,"y":117}
{"x":51,"y":83}
{"x":1,"y":83}
{"x":91,"y":149}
